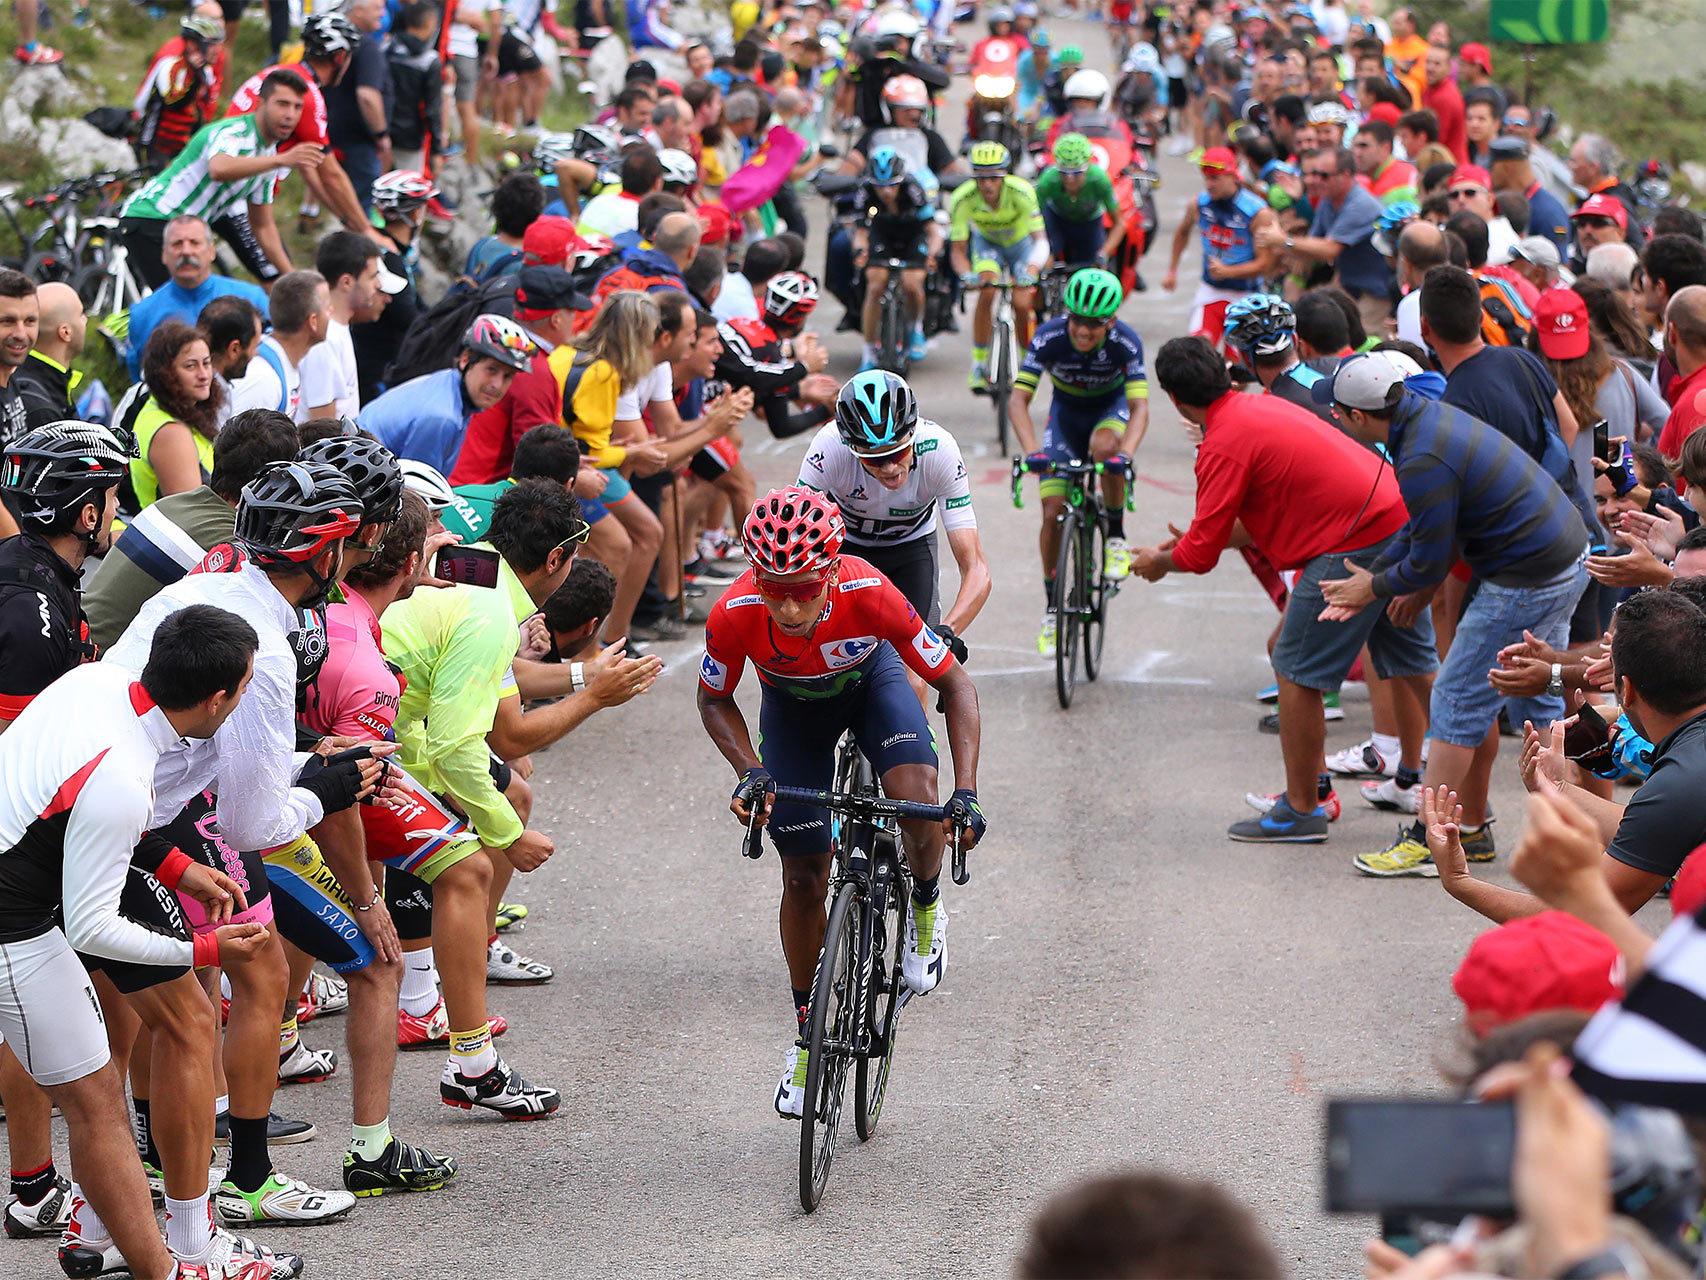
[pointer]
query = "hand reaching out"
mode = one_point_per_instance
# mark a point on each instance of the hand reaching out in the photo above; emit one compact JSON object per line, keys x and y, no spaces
{"x":1543,"y":764}
{"x":1442,"y":818}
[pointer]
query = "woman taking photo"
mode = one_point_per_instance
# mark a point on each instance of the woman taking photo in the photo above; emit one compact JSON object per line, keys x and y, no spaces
{"x":593,"y":370}
{"x":177,"y":422}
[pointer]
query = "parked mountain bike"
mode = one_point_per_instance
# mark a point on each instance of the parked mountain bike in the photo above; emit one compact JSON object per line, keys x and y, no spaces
{"x":1081,"y":588}
{"x":858,"y":993}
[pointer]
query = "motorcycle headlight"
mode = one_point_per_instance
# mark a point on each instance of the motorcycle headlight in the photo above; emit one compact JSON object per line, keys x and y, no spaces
{"x":993,"y":87}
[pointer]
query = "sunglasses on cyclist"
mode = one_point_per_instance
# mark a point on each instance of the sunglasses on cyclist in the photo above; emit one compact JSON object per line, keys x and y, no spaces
{"x":1085,"y":322}
{"x":803,"y":591}
{"x":886,"y":461}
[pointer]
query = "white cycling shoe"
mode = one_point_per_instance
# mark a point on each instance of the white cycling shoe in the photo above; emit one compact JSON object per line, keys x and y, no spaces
{"x":924,"y":959}
{"x":791,"y":1092}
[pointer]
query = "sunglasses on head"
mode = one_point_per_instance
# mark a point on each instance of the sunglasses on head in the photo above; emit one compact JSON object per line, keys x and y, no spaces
{"x":575,"y":539}
{"x":802,"y":592}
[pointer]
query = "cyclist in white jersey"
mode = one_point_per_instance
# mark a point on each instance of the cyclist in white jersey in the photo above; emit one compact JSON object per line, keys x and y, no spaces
{"x":891,"y":474}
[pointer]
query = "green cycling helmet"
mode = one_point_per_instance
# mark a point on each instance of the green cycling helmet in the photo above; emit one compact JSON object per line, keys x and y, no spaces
{"x":1072,"y":153}
{"x":1069,"y":54}
{"x":989,"y":159}
{"x":1093,"y":294}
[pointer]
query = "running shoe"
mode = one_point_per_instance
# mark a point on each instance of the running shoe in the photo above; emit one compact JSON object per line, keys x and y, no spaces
{"x":399,"y":1167}
{"x":46,"y":1217}
{"x":1262,"y":803}
{"x":40,"y":56}
{"x":1362,"y":761}
{"x":500,"y":1089}
{"x":977,"y":381}
{"x":1388,"y":795}
{"x":231,"y":1255}
{"x":504,"y":965}
{"x":510,"y":914}
{"x":83,"y":1255}
{"x":325,"y":993}
{"x":1045,"y":637}
{"x":918,"y":346}
{"x":791,"y":1091}
{"x":1116,"y":560}
{"x":1478,"y":844}
{"x":1406,"y":856}
{"x":279,"y":1201}
{"x":925,"y":957}
{"x":303,"y":1065}
{"x":1281,"y":825}
{"x":280,"y":1132}
{"x":1269,"y":695}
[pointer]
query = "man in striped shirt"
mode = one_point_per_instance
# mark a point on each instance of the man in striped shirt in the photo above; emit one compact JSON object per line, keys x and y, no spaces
{"x":1473,"y":495}
{"x":230,"y":163}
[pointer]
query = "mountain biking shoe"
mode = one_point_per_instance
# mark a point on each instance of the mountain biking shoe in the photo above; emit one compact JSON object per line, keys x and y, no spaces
{"x":399,"y":1167}
{"x":279,"y":1201}
{"x":501,"y":1090}
{"x":303,"y":1065}
{"x":46,"y":1217}
{"x":791,"y":1091}
{"x":1388,"y":795}
{"x":1046,"y":637}
{"x":1263,"y":803}
{"x":925,"y":957}
{"x":280,"y":1132}
{"x":82,"y":1255}
{"x":504,"y":965}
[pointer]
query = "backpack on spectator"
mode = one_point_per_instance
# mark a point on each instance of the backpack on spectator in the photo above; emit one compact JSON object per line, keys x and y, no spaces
{"x":624,"y":277}
{"x":435,"y":338}
{"x":1505,"y":321}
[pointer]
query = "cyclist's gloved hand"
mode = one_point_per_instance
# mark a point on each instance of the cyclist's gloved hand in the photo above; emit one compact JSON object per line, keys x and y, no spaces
{"x":964,"y":813}
{"x":336,"y":782}
{"x":956,"y":646}
{"x":751,"y":793}
{"x":1038,"y":461}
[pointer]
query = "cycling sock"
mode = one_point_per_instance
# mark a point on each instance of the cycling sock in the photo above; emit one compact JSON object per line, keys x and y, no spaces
{"x":1407,"y":778}
{"x":189,"y":1228}
{"x":979,"y":357}
{"x":250,"y":1163}
{"x":472,"y":1051}
{"x":926,"y":892}
{"x":30,"y":1185}
{"x":1048,"y":592}
{"x":419,"y":994}
{"x":142,"y":1129}
{"x":84,"y":1218}
{"x":222,"y":1104}
{"x":1116,"y":523}
{"x":370,"y":1140}
{"x":1323,"y":785}
{"x":1386,"y":744}
{"x":288,"y":1039}
{"x":802,"y":1007}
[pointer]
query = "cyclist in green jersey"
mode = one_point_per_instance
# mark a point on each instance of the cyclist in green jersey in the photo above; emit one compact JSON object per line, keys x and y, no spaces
{"x":995,"y":223}
{"x":1074,"y":194}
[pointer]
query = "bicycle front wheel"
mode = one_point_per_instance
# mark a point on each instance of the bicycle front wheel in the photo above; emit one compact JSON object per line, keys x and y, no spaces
{"x":1095,"y":537}
{"x":1001,"y":382}
{"x":871,"y":1071}
{"x":1068,"y":606}
{"x":891,"y":352}
{"x":829,"y":1038}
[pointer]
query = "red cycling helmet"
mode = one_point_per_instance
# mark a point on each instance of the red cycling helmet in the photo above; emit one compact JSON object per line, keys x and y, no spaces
{"x":793,"y":530}
{"x":790,"y":297}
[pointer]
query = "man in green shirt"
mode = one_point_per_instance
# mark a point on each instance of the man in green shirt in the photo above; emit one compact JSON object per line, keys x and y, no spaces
{"x":545,"y":452}
{"x":1074,"y":194}
{"x":170,"y":537}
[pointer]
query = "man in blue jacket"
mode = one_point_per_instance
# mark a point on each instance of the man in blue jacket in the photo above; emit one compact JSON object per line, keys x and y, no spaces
{"x":188,"y":255}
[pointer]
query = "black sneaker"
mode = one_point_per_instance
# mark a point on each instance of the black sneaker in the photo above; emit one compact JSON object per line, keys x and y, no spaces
{"x":1281,"y":825}
{"x":280,"y":1132}
{"x":1478,"y":845}
{"x":399,"y":1168}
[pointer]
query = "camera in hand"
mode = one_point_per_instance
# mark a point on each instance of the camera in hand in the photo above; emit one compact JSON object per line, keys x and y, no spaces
{"x":1587,"y":740}
{"x":1435,"y":1157}
{"x":467,"y":566}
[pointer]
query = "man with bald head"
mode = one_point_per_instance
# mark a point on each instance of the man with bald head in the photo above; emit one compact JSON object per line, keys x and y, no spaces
{"x":46,"y":381}
{"x":187,"y":253}
{"x":1421,"y":247}
{"x":1685,"y":344}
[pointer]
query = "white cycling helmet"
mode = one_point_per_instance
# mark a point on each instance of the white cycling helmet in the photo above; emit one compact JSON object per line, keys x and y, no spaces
{"x":678,"y":167}
{"x":402,"y":191}
{"x":427,"y":483}
{"x":897,"y":22}
{"x":1086,"y":84}
{"x":1220,"y":37}
{"x":551,"y":149}
{"x":1143,"y":58}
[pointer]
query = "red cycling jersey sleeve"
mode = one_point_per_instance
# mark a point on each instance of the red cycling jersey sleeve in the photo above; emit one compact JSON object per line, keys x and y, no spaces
{"x":864,"y":610}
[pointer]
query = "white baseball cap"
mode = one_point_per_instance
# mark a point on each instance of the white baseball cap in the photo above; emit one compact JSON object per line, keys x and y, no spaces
{"x":1370,"y":381}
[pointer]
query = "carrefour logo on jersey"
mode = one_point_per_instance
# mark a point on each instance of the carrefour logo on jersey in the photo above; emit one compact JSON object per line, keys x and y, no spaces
{"x":845,"y":653}
{"x":714,"y":674}
{"x":931,"y":647}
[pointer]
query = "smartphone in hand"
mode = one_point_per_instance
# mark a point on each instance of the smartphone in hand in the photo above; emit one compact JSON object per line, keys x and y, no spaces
{"x":467,"y":566}
{"x":1422,"y":1156}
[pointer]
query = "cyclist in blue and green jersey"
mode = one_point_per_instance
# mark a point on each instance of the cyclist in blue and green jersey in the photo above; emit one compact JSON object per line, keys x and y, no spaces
{"x":1074,"y":194}
{"x":1100,"y":411}
{"x":995,"y":223}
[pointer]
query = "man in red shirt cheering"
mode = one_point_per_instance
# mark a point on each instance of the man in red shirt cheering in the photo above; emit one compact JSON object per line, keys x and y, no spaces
{"x":1309,"y":498}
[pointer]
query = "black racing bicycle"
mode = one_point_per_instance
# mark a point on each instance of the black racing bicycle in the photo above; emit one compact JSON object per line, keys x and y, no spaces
{"x":1082,"y":589}
{"x":858,"y":993}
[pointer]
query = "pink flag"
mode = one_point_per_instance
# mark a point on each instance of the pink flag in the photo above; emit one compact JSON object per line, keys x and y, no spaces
{"x":762,"y":177}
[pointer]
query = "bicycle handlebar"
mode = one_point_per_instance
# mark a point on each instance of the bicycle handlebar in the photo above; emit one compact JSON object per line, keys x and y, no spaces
{"x":858,"y":806}
{"x":1073,"y":467}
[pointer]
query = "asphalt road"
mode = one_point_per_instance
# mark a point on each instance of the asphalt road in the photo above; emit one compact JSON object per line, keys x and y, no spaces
{"x":1126,"y":986}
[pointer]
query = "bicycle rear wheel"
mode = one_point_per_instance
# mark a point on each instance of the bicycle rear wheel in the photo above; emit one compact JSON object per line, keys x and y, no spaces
{"x":1068,"y":601}
{"x":49,"y":266}
{"x":871,"y":1072}
{"x":829,"y":1036}
{"x":1095,"y":536}
{"x":1001,"y":381}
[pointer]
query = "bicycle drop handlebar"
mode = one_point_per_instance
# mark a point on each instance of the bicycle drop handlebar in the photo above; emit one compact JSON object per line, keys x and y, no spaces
{"x":1074,"y":467}
{"x":870,"y":808}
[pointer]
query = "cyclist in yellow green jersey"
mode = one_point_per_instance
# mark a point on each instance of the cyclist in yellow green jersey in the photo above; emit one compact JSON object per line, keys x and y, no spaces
{"x":994,"y":223}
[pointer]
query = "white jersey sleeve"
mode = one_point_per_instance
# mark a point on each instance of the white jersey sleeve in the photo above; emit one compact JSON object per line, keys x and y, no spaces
{"x":259,"y":808}
{"x":944,"y":478}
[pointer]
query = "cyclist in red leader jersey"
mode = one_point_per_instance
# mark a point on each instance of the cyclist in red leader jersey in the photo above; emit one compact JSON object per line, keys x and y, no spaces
{"x":828,"y":635}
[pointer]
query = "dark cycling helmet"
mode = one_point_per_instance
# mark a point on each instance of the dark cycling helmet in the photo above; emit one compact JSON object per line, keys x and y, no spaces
{"x":1262,"y":324}
{"x":500,"y":339}
{"x":293,"y":511}
{"x":325,"y":35}
{"x":202,"y":30}
{"x":1093,"y":294}
{"x":888,"y":167}
{"x":876,"y":413}
{"x":793,"y":530}
{"x":370,"y":467}
{"x":50,"y":474}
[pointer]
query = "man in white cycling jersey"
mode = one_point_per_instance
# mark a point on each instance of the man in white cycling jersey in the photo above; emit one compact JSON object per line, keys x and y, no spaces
{"x":891,"y":473}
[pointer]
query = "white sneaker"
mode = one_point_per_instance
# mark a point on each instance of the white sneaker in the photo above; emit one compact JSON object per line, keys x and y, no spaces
{"x":922,"y":968}
{"x":1390,"y":796}
{"x":1046,"y":637}
{"x":46,"y":1217}
{"x":1362,"y":761}
{"x":791,"y":1091}
{"x":303,"y":1065}
{"x":504,"y":965}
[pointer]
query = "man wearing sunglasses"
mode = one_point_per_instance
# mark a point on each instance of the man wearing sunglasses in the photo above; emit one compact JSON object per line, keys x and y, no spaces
{"x":832,"y":640}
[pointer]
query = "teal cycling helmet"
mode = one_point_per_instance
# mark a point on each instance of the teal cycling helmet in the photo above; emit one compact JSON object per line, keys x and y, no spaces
{"x":888,"y":167}
{"x":876,"y":413}
{"x":1391,"y":223}
{"x":1262,"y":324}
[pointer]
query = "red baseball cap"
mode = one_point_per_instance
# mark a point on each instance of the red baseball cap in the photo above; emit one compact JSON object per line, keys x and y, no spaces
{"x":1386,"y":112}
{"x":1600,"y":205}
{"x":1688,"y":890}
{"x":548,"y":240}
{"x":716,"y":224}
{"x":1476,"y":55}
{"x":1219,"y":160}
{"x":1561,"y":320}
{"x":1526,"y":966}
{"x":1471,"y":173}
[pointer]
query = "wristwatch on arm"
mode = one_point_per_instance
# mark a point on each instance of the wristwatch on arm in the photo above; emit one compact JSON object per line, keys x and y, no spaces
{"x":1555,"y":685}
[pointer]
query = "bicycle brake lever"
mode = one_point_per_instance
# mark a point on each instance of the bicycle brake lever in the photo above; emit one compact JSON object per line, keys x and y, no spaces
{"x":961,"y":875}
{"x":752,"y":845}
